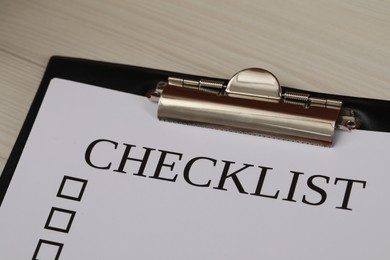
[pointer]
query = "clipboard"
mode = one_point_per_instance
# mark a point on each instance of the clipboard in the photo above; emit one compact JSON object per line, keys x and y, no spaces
{"x":140,"y":81}
{"x":372,"y":113}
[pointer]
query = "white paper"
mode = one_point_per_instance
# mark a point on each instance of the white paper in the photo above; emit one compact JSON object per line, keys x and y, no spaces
{"x":125,"y":216}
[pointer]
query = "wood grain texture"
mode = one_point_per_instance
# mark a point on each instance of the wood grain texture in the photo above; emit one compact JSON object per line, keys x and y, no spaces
{"x":328,"y":46}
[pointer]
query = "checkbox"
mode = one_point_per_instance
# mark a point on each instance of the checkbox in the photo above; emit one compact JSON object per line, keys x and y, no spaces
{"x":72,"y":188}
{"x":47,"y":250}
{"x":60,"y":219}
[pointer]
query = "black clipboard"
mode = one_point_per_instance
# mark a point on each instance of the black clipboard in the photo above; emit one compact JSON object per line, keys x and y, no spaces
{"x":371,"y":113}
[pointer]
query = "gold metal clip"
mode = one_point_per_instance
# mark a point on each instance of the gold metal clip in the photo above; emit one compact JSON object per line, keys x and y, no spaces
{"x":252,"y":102}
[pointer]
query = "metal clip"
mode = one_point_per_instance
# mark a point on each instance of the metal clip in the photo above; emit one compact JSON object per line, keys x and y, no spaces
{"x":252,"y":102}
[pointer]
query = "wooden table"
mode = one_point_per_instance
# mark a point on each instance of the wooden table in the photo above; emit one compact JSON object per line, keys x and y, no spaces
{"x":334,"y":46}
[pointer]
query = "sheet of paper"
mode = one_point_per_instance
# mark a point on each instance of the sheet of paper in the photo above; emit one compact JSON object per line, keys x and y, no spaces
{"x":101,"y":178}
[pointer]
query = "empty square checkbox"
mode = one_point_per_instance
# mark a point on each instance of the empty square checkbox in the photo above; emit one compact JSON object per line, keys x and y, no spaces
{"x":60,"y":219}
{"x":72,"y":188}
{"x":47,"y":250}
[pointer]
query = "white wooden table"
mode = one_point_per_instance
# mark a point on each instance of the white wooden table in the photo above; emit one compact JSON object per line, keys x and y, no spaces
{"x":329,"y":46}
